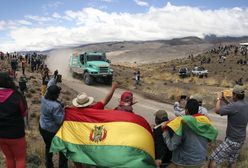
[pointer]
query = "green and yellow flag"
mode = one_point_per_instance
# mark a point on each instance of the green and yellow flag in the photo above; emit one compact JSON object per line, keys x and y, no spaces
{"x":198,"y":123}
{"x":105,"y":138}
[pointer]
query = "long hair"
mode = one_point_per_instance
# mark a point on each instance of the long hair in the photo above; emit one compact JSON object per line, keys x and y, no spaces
{"x":6,"y":81}
{"x":192,"y":106}
{"x":50,"y":96}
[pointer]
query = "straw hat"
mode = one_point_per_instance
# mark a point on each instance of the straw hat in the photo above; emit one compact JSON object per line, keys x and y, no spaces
{"x":82,"y":100}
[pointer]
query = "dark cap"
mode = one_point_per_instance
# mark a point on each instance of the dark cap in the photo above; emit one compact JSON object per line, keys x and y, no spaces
{"x":161,"y":114}
{"x":238,"y":89}
{"x":54,"y":90}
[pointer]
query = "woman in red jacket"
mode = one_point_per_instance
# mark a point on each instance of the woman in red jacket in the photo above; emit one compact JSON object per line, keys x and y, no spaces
{"x":13,"y":108}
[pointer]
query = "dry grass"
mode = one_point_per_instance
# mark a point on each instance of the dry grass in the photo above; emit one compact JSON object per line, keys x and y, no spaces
{"x":242,"y":160}
{"x":226,"y":83}
{"x":211,"y":82}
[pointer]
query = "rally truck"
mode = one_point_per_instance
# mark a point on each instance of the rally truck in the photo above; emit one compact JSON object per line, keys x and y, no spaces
{"x":92,"y":66}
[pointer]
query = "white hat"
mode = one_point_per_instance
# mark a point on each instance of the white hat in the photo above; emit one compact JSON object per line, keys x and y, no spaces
{"x":82,"y":100}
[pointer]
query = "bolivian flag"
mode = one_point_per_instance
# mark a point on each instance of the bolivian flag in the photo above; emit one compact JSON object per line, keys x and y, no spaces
{"x":198,"y":123}
{"x":105,"y":138}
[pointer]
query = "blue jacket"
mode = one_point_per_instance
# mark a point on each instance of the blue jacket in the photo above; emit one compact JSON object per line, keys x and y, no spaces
{"x":52,"y":115}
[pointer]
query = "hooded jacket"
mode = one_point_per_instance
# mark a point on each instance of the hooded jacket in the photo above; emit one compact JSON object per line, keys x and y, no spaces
{"x":13,"y":108}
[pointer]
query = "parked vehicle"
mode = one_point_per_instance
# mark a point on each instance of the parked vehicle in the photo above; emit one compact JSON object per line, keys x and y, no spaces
{"x":184,"y":72}
{"x":200,"y":72}
{"x":91,"y":66}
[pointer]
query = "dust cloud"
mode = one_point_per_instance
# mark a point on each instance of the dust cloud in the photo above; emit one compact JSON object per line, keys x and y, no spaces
{"x":59,"y":59}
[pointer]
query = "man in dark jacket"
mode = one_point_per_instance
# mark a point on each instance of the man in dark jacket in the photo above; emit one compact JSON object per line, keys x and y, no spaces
{"x":162,"y":153}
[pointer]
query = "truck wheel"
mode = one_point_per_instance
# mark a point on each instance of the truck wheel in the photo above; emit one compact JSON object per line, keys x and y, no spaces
{"x":74,"y":75}
{"x":108,"y":80}
{"x":88,"y":80}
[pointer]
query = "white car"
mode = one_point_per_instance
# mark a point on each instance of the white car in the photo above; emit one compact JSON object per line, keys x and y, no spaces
{"x":200,"y":72}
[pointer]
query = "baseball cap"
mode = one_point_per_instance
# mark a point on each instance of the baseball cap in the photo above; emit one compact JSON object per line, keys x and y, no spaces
{"x":238,"y":89}
{"x":127,"y":96}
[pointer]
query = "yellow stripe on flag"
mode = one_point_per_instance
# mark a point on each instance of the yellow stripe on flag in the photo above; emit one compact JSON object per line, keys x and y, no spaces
{"x":203,"y":119}
{"x":175,"y":124}
{"x":112,"y":134}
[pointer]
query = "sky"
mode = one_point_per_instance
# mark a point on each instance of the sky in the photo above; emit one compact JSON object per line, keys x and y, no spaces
{"x":45,"y":24}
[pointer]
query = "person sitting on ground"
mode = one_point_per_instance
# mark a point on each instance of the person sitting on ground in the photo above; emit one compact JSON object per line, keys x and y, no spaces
{"x":179,"y":105}
{"x":202,"y":110}
{"x":188,"y":136}
{"x":51,"y":118}
{"x":162,"y":153}
{"x":236,"y":112}
{"x":126,"y":102}
{"x":13,"y":109}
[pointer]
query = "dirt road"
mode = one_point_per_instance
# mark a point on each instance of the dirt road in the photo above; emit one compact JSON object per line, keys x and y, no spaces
{"x":145,"y":107}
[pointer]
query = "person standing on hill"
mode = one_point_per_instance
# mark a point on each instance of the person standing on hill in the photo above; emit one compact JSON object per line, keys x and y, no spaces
{"x":45,"y":80}
{"x":14,"y":65}
{"x":23,"y":63}
{"x":137,"y":78}
{"x":237,"y":120}
{"x":13,"y":109}
{"x":83,"y":101}
{"x":54,"y":79}
{"x":51,"y":118}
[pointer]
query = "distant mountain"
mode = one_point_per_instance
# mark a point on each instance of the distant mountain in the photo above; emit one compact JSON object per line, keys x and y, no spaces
{"x":212,"y":38}
{"x":156,"y":50}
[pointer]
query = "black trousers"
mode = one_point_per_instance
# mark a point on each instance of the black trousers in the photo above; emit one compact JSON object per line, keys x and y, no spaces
{"x":47,"y":137}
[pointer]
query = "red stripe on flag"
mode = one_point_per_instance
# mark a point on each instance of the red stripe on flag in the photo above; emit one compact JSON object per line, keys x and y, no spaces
{"x":104,"y":116}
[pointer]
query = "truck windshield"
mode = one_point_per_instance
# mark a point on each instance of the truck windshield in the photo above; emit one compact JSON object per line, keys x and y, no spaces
{"x":96,"y":58}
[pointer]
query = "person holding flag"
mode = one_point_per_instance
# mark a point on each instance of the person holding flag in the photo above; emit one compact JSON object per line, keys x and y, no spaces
{"x":188,"y":136}
{"x":91,"y":135}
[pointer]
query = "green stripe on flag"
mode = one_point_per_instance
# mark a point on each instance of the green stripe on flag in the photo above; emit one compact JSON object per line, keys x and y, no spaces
{"x":103,"y":156}
{"x":203,"y":129}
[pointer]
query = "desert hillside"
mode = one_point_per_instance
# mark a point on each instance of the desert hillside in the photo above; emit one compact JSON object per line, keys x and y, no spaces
{"x":143,"y":52}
